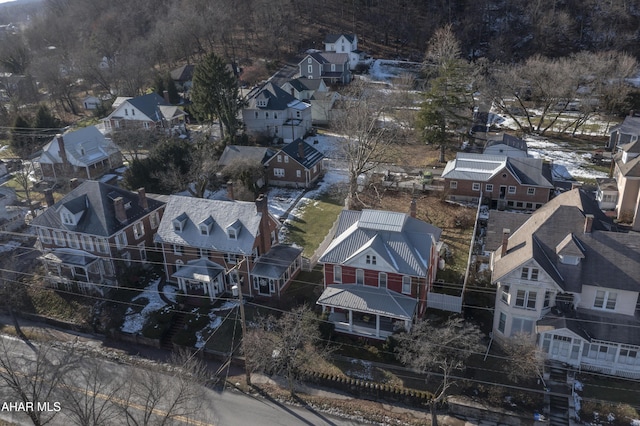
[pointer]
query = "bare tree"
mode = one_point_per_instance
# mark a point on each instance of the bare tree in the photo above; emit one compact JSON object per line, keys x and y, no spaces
{"x":439,"y":350}
{"x":525,"y":360}
{"x":33,"y":376}
{"x":364,"y":141}
{"x":286,"y":346}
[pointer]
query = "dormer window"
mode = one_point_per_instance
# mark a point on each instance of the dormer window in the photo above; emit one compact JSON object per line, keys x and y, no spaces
{"x":233,"y":230}
{"x":371,"y":259}
{"x":179,"y":222}
{"x":206,"y":226}
{"x":67,"y":218}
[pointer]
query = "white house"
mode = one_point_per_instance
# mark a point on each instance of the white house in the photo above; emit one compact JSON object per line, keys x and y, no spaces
{"x":344,"y":43}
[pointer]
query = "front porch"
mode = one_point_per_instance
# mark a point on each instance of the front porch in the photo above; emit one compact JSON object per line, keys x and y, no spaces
{"x":75,"y":270}
{"x":367,"y":311}
{"x":201,"y":278}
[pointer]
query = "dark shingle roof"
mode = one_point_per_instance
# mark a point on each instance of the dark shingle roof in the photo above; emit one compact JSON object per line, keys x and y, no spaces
{"x":99,"y":218}
{"x":184,"y":73}
{"x":508,"y":140}
{"x":233,"y":153}
{"x":630,"y":126}
{"x":311,"y":155}
{"x":277,"y":99}
{"x":148,"y":104}
{"x":332,"y":38}
{"x":276,"y":261}
{"x":629,"y":169}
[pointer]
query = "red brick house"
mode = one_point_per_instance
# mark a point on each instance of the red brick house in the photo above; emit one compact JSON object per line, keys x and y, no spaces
{"x":297,"y":165}
{"x":94,"y":231}
{"x":211,"y":245}
{"x":504,"y":182}
{"x":378,"y":271}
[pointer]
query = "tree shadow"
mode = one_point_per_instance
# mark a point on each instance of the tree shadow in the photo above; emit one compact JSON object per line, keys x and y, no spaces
{"x":299,"y":400}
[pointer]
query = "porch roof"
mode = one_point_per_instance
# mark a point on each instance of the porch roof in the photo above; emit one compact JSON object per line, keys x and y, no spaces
{"x":70,"y":257}
{"x":369,"y":299}
{"x":276,"y":261}
{"x":202,"y":270}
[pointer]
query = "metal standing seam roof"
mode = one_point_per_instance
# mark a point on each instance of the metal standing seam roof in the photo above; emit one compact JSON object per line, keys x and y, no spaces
{"x":311,"y":155}
{"x":274,"y":263}
{"x":233,"y":153}
{"x":203,"y":270}
{"x":369,"y":299}
{"x":84,"y":146}
{"x":482,"y":167}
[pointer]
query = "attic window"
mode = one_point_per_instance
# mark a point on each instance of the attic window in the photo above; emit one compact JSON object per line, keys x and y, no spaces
{"x":233,"y":230}
{"x":127,"y":206}
{"x":179,"y":222}
{"x":206,"y":225}
{"x":67,"y":218}
{"x":371,"y":259}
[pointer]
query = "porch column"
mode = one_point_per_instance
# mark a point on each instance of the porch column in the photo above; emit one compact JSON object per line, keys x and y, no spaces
{"x":350,"y":321}
{"x":377,"y":325}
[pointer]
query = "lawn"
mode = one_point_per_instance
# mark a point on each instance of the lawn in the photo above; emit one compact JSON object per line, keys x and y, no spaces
{"x":313,"y":222}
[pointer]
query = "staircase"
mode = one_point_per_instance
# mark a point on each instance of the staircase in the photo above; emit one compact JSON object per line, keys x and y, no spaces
{"x":557,"y":399}
{"x":177,"y":324}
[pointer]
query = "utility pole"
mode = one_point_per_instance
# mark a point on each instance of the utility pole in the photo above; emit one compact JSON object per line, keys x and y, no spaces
{"x":243,"y":322}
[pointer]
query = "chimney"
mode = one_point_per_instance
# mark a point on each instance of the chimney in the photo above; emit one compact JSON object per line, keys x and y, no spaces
{"x":142,"y":198}
{"x":230,"y":194}
{"x":48,"y":197}
{"x":413,"y":208}
{"x":73,"y":183}
{"x":63,"y":153}
{"x":588,"y":223}
{"x":301,"y":149}
{"x":262,"y":207}
{"x":118,"y":206}
{"x":576,"y":184}
{"x":631,"y":113}
{"x":165,"y":95}
{"x":505,"y":241}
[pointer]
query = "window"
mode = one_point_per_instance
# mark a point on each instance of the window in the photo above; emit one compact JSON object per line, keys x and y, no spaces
{"x":315,"y":168}
{"x":73,"y":241}
{"x":45,"y":236}
{"x":333,"y":66}
{"x":67,"y":218}
{"x":178,"y":250}
{"x":275,"y":115}
{"x":279,"y":158}
{"x":531,"y":191}
{"x":154,"y":220}
{"x":232,"y":233}
{"x":475,"y":186}
{"x":628,"y":355}
{"x":58,"y":238}
{"x":406,"y":284}
{"x":526,"y":299}
{"x":278,"y":172}
{"x":256,"y":114}
{"x":359,"y":276}
{"x":488,"y":187}
{"x":286,"y":158}
{"x":87,"y":243}
{"x":204,"y":230}
{"x":521,"y":325}
{"x":512,"y":189}
{"x":126,"y":111}
{"x":126,"y":256}
{"x":121,"y":240}
{"x":530,"y":274}
{"x":101,"y":245}
{"x":504,"y":296}
{"x":231,"y":258}
{"x":337,"y":273}
{"x":605,"y":300}
{"x":133,"y":111}
{"x":310,"y":69}
{"x":502,"y":322}
{"x":205,"y":253}
{"x":382,"y":280}
{"x":371,"y":259}
{"x":453,"y":184}
{"x":298,"y":173}
{"x":138,"y":230}
{"x":308,"y":60}
{"x":547,"y":299}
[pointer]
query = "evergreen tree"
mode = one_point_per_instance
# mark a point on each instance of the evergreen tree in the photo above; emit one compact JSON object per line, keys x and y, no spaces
{"x":174,"y":96}
{"x":47,"y":124}
{"x":22,"y":143}
{"x":215,"y":94}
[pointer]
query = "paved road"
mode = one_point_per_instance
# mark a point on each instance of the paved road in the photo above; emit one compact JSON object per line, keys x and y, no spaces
{"x":229,"y":407}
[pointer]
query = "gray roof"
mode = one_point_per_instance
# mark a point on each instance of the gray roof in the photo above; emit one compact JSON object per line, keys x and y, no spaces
{"x":99,"y":214}
{"x":332,"y":38}
{"x":498,"y":222}
{"x":630,"y":126}
{"x":629,"y":169}
{"x":506,"y":139}
{"x":311,"y":155}
{"x":183,"y":73}
{"x":277,"y":99}
{"x":633,"y":147}
{"x":610,"y":259}
{"x":369,"y":299}
{"x":607,"y":184}
{"x":84,"y":147}
{"x":202,"y":270}
{"x":224,"y":214}
{"x":334,"y":58}
{"x":401,"y":241}
{"x":69,"y":257}
{"x":301,"y":84}
{"x":274,"y":263}
{"x":481,"y":168}
{"x":233,"y":153}
{"x":148,"y":104}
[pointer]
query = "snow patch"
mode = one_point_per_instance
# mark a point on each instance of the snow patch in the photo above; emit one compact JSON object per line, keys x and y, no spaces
{"x":134,"y":321}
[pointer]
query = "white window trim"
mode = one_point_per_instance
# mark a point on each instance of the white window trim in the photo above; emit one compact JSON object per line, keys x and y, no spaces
{"x":607,"y":296}
{"x":453,"y":184}
{"x":475,"y":186}
{"x":406,"y":290}
{"x":382,"y":275}
{"x":337,"y":272}
{"x":488,"y":187}
{"x":531,"y":191}
{"x":511,"y":189}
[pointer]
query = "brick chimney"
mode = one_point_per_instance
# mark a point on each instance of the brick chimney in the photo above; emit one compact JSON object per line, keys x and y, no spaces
{"x":301,"y":149}
{"x":505,"y":241}
{"x":118,"y":206}
{"x":142,"y":198}
{"x":165,"y":95}
{"x":262,"y":207}
{"x":413,"y":208}
{"x":575,"y":185}
{"x":48,"y":197}
{"x":63,"y":152}
{"x":230,"y":194}
{"x":588,"y":223}
{"x":73,"y":183}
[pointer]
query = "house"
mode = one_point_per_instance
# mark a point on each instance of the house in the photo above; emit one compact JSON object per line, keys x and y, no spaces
{"x":345,"y":43}
{"x":506,"y":182}
{"x":316,"y":93}
{"x":607,"y":193}
{"x":83,"y":153}
{"x":566,"y":278}
{"x":183,"y":77}
{"x":273,"y":113}
{"x":624,"y":133}
{"x":626,"y":172}
{"x":91,"y":103}
{"x":209,"y":246}
{"x":12,"y":217}
{"x":150,"y":111}
{"x":378,"y":271}
{"x":332,"y":67}
{"x":94,"y":231}
{"x":236,"y":153}
{"x":505,"y":144}
{"x":297,"y":165}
